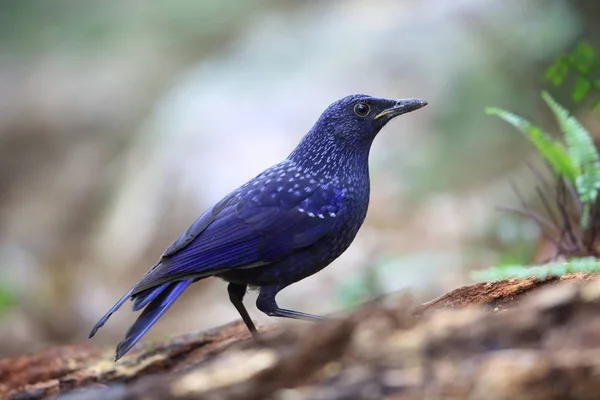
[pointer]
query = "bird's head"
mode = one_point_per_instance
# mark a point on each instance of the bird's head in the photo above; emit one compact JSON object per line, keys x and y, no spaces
{"x":349,"y":125}
{"x":361,"y":117}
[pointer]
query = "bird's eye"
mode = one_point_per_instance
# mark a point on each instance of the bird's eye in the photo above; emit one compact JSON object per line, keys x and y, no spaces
{"x":362,"y":109}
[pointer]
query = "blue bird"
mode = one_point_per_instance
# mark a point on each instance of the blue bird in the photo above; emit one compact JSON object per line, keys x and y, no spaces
{"x":285,"y":224}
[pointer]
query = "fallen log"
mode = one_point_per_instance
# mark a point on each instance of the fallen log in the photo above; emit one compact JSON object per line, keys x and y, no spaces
{"x":494,"y":341}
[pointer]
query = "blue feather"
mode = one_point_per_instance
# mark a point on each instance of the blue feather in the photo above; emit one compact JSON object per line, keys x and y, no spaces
{"x":110,"y":312}
{"x":144,"y":298}
{"x":151,"y":314}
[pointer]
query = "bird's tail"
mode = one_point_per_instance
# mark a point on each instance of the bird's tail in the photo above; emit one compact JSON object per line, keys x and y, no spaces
{"x":110,"y":312}
{"x":141,"y":300}
{"x":157,"y":301}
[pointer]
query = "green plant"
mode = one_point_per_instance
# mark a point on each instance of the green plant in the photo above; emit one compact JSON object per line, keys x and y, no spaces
{"x":572,"y":222}
{"x":576,"y":160}
{"x":554,"y":269}
{"x":582,"y":63}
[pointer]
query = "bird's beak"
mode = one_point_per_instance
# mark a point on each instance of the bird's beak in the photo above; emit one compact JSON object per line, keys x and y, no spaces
{"x":402,"y":106}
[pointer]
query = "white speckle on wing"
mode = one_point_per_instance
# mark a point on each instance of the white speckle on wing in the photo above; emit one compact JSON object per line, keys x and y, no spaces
{"x":298,"y":193}
{"x":308,"y":189}
{"x":290,"y":190}
{"x":310,"y":214}
{"x":332,"y":215}
{"x":280,"y":188}
{"x":321,"y":216}
{"x":301,"y":210}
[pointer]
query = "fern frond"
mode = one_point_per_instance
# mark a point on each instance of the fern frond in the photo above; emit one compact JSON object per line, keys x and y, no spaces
{"x":580,"y":143}
{"x":585,"y":264}
{"x":582,"y":152}
{"x":552,"y":151}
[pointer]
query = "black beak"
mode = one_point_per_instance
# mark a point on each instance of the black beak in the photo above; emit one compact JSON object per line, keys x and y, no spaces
{"x":402,"y":106}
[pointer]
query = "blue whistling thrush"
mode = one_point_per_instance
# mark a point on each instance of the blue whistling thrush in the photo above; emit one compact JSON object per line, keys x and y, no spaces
{"x":285,"y":224}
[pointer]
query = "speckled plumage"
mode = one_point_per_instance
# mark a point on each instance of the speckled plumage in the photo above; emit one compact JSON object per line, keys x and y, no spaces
{"x":285,"y":224}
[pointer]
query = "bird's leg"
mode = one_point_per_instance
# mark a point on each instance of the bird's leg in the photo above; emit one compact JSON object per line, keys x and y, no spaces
{"x":267,"y":304}
{"x":236,"y":295}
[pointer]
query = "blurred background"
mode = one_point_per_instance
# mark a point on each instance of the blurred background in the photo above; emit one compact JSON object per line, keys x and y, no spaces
{"x":122,"y":120}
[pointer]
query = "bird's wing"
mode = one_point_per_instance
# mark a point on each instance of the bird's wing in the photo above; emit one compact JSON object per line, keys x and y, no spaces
{"x":198,"y":226}
{"x":246,"y":231}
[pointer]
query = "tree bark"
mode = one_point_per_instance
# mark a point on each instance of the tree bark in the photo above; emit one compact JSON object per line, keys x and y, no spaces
{"x":494,"y":341}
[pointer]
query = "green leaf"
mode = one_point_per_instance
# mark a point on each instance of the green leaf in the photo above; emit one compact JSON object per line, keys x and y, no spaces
{"x":583,"y":58}
{"x":583,"y":154}
{"x":583,"y":62}
{"x":557,"y":72}
{"x":581,"y":89}
{"x":552,"y":151}
{"x":596,"y":103}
